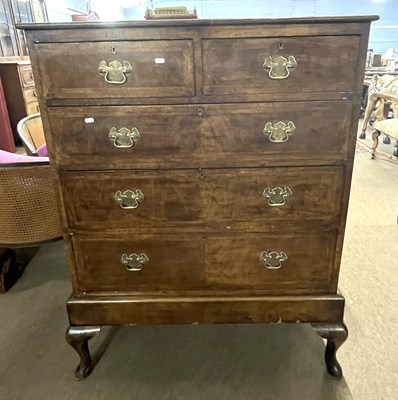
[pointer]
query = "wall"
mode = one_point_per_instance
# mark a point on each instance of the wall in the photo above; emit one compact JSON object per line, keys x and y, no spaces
{"x":384,"y":33}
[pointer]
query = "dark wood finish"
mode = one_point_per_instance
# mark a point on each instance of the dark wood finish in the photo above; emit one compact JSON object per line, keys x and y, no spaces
{"x":336,"y":335}
{"x":61,"y":79}
{"x":206,"y":135}
{"x":203,"y":162}
{"x":306,"y":21}
{"x":236,"y":65}
{"x":78,"y":337}
{"x":208,"y":262}
{"x":17,"y":77}
{"x":206,"y":199}
{"x":115,"y":310}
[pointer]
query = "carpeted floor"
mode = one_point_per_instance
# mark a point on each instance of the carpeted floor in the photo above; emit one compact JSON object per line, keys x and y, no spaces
{"x":268,"y":362}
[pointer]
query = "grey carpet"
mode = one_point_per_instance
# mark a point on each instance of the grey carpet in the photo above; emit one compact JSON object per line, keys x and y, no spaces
{"x":268,"y":362}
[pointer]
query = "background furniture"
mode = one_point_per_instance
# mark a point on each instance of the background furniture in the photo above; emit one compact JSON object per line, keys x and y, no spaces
{"x":30,"y":130}
{"x":388,"y":127}
{"x":20,"y":92}
{"x":195,"y":186}
{"x":387,"y":85}
{"x":28,"y":207}
{"x":6,"y":136}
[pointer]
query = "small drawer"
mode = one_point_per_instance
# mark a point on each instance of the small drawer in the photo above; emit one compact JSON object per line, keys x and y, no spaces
{"x":30,"y":95}
{"x":287,"y":65}
{"x":162,"y":68}
{"x":139,"y":263}
{"x":32,"y":108}
{"x":252,"y":199}
{"x":277,"y":263}
{"x":217,"y":135}
{"x":26,"y":75}
{"x":266,"y":263}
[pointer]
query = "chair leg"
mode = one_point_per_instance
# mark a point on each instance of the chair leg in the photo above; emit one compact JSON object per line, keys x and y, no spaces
{"x":375,"y":137}
{"x":369,"y":109}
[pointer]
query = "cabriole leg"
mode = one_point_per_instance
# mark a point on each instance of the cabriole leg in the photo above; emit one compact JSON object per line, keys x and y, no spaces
{"x":78,"y":337}
{"x":336,"y":335}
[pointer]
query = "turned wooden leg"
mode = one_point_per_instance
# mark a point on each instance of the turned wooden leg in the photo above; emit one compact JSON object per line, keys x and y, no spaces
{"x":368,"y":111}
{"x":336,"y":335}
{"x":78,"y":337}
{"x":375,"y":137}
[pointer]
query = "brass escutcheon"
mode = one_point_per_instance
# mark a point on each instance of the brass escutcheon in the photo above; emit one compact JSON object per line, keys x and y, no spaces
{"x":134,"y":262}
{"x":280,"y":131}
{"x":115,"y":72}
{"x":124,"y":137}
{"x":279,"y":67}
{"x":129,"y":199}
{"x":273,"y":259}
{"x":277,"y":196}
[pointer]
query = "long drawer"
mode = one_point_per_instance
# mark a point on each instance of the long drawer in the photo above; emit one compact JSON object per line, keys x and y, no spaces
{"x":275,"y":264}
{"x":161,"y":68}
{"x":229,"y":135}
{"x":254,"y":199}
{"x":280,"y":65}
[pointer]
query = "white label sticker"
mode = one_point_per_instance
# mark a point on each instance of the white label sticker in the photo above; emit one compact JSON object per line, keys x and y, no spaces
{"x":160,"y":60}
{"x":89,"y":120}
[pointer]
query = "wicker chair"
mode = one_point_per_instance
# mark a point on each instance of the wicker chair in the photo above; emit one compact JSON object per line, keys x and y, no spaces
{"x":28,"y":207}
{"x":30,"y":130}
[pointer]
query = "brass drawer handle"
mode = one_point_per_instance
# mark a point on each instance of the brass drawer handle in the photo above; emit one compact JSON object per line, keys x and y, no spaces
{"x":115,"y":72}
{"x":124,"y":137}
{"x":129,"y":199}
{"x":277,"y":196}
{"x":280,"y":131}
{"x":34,"y":93}
{"x":279,"y":67}
{"x":134,"y":262}
{"x":272,"y":259}
{"x":31,"y":76}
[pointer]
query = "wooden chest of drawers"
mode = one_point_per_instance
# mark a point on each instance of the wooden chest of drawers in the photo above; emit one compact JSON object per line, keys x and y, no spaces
{"x":19,"y":91}
{"x":204,"y":168}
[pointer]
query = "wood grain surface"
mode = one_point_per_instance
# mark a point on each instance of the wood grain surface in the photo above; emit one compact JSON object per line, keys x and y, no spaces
{"x":236,"y":65}
{"x":203,"y":162}
{"x":202,"y":135}
{"x":207,"y":262}
{"x":205,"y":199}
{"x":71,"y":70}
{"x":115,"y":310}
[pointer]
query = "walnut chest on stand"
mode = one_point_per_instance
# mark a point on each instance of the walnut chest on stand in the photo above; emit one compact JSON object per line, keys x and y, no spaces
{"x":204,"y":168}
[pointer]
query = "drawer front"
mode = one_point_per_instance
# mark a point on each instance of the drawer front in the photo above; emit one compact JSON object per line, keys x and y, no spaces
{"x":275,"y":264}
{"x":231,"y":199}
{"x":30,"y":95}
{"x":162,"y":68}
{"x":32,"y":108}
{"x":150,"y":262}
{"x":280,"y":65}
{"x":26,"y":75}
{"x":203,"y":135}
